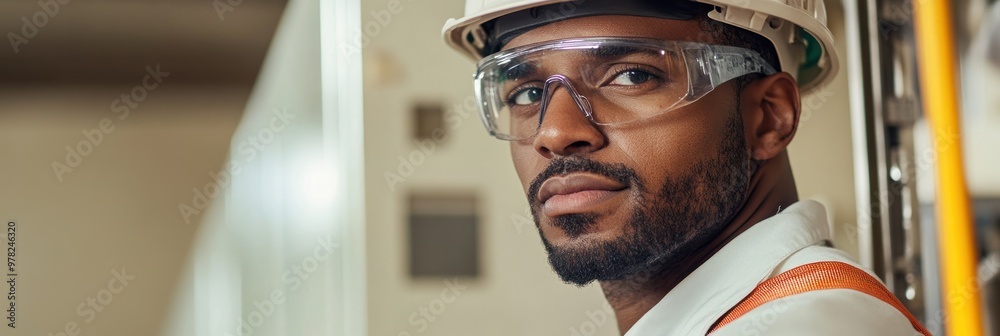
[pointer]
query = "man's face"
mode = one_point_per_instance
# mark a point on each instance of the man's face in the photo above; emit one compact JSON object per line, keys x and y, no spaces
{"x":610,"y":200}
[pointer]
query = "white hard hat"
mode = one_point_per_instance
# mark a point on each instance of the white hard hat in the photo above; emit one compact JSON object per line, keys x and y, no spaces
{"x":797,"y":29}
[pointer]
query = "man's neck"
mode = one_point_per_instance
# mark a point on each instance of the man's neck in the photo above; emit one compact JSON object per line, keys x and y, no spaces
{"x":772,"y":188}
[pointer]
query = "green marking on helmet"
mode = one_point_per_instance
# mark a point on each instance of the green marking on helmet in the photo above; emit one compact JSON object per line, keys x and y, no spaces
{"x":814,"y":51}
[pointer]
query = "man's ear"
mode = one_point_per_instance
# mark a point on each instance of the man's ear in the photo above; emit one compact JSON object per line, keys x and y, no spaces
{"x":771,"y":109}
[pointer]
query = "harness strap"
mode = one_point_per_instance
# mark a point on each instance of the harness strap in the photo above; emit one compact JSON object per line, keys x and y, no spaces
{"x":812,"y":277}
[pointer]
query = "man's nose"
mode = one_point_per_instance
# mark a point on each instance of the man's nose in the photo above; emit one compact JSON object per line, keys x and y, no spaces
{"x":565,"y":128}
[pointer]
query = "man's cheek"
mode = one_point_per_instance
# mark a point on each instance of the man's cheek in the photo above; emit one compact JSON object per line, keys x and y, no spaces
{"x":524,"y":176}
{"x":525,"y":165}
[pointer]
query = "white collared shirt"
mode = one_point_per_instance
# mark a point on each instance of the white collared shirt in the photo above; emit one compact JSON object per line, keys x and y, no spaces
{"x":794,"y":237}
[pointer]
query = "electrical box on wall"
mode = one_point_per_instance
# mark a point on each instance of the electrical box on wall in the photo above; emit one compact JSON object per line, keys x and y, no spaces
{"x":443,"y":235}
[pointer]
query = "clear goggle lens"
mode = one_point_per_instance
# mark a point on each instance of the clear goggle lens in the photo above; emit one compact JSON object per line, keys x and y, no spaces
{"x":611,"y":80}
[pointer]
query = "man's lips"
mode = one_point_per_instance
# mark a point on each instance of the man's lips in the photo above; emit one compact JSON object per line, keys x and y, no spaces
{"x":576,"y":193}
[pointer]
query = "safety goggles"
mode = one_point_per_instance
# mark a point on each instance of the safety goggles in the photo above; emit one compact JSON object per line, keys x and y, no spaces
{"x":611,"y":80}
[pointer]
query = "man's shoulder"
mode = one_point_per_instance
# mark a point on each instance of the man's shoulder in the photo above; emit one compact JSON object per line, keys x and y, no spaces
{"x":837,"y":311}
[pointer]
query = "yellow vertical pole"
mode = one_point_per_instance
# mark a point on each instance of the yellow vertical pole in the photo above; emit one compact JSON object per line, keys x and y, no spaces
{"x":939,"y":87}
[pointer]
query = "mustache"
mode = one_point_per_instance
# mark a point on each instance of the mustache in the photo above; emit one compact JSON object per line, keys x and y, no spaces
{"x":578,"y":164}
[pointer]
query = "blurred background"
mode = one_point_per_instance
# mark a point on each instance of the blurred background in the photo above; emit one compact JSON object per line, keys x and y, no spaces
{"x":305,"y":167}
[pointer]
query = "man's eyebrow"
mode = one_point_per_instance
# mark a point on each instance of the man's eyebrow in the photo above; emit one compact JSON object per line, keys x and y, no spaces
{"x":521,"y":70}
{"x":611,"y":52}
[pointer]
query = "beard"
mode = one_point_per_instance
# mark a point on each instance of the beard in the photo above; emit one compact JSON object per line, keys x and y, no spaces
{"x":665,"y":227}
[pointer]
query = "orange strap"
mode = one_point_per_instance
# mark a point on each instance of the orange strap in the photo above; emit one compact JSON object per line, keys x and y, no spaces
{"x":811,"y":277}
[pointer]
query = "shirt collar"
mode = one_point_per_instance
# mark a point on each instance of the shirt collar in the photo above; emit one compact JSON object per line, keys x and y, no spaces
{"x":728,"y":276}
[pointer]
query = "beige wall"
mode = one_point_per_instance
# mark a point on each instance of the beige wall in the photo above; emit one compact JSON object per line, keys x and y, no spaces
{"x":117,"y":209}
{"x":517,"y":294}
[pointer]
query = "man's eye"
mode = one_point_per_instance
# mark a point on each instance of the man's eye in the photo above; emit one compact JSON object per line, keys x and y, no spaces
{"x":631,"y":77}
{"x":526,"y":96}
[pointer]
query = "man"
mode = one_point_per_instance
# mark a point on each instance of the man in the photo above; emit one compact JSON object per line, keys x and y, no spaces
{"x":650,"y":138}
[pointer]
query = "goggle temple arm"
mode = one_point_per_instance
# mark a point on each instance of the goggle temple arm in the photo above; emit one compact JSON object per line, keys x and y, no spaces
{"x":711,"y":65}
